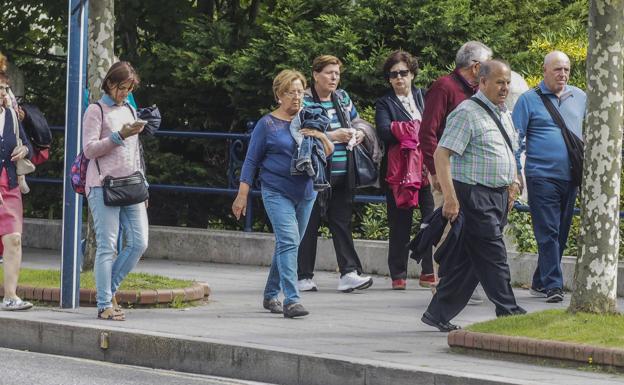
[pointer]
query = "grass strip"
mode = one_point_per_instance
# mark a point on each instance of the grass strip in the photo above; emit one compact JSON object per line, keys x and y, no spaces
{"x":606,"y":330}
{"x":134,"y":281}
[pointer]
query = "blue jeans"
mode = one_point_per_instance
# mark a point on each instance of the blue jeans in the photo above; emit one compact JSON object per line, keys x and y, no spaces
{"x":289,"y":220}
{"x":551,"y":202}
{"x":106,"y":220}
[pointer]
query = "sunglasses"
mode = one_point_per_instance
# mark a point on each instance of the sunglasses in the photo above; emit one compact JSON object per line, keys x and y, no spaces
{"x":395,"y":74}
{"x":5,"y":88}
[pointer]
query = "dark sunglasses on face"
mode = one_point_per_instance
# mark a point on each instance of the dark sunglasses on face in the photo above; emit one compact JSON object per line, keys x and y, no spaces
{"x":5,"y":88}
{"x":395,"y":74}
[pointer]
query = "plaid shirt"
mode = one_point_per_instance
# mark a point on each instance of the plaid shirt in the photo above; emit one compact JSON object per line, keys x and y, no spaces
{"x":481,"y":155}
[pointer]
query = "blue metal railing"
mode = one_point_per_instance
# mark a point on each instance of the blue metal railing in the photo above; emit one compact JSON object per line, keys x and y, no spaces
{"x":231,"y":191}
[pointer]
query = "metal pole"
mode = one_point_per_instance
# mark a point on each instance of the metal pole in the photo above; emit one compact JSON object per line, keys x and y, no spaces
{"x":72,"y":202}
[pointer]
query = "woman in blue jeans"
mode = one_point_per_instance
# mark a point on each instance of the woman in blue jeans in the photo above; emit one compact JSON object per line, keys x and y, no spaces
{"x":288,"y":199}
{"x":111,"y":142}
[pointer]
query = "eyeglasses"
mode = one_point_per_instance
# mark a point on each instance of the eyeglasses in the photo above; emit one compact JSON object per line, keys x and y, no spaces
{"x":296,"y":93}
{"x":395,"y":74}
{"x":5,"y":88}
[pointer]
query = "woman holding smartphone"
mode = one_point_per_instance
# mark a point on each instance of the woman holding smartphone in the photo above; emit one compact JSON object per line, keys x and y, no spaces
{"x":111,"y":142}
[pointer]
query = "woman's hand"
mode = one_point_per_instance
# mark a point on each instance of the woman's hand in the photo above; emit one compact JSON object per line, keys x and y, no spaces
{"x":1,"y":200}
{"x":239,"y":207}
{"x":21,"y":114}
{"x":341,"y":135}
{"x":19,"y":152}
{"x":311,"y":132}
{"x":127,"y":130}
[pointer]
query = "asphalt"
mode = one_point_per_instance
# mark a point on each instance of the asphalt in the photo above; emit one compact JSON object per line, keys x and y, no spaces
{"x":377,"y":327}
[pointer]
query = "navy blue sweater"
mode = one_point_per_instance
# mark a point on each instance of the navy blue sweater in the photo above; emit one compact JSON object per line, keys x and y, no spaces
{"x":271,"y":150}
{"x":8,"y":142}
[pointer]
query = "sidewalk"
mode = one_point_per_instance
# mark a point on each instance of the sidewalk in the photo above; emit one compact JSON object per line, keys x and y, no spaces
{"x":375,"y":328}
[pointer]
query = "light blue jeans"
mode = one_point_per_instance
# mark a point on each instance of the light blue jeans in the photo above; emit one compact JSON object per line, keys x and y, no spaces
{"x":289,"y":220}
{"x":110,"y":271}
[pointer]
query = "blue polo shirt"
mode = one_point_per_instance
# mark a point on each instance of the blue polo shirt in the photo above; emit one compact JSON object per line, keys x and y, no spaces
{"x":540,"y":136}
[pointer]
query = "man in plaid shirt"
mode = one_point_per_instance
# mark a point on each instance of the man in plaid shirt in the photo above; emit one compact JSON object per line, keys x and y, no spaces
{"x":477,"y":173}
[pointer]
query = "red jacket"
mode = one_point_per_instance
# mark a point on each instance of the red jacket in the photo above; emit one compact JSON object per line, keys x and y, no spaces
{"x":404,"y":174}
{"x":444,"y":95}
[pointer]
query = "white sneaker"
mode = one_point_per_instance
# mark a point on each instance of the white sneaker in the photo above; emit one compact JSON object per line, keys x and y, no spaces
{"x":476,"y":298}
{"x":352,"y":281}
{"x":306,"y":285}
{"x":15,"y":304}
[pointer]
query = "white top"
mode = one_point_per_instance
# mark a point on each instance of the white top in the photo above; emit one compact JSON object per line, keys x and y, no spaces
{"x":410,"y":106}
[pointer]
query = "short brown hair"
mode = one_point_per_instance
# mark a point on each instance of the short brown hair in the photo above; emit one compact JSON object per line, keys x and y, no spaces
{"x":323,"y":61}
{"x":397,"y":57}
{"x":120,"y":72}
{"x":284,"y":79}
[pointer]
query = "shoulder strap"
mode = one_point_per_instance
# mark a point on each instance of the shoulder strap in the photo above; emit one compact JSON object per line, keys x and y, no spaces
{"x":552,"y":110}
{"x":97,"y":164}
{"x":15,"y":126}
{"x":499,"y":124}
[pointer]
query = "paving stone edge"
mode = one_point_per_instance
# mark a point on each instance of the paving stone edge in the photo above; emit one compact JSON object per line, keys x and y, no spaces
{"x":537,"y":348}
{"x":220,"y":358}
{"x":195,"y":292}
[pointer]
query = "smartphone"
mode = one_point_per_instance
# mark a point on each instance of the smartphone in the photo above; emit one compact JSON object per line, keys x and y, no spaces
{"x":139,"y":122}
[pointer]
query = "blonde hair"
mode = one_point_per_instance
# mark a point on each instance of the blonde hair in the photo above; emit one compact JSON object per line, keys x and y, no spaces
{"x":284,"y":79}
{"x":323,"y":61}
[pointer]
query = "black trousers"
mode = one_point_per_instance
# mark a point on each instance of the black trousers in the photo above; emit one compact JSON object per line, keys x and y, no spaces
{"x":484,"y":256}
{"x":400,"y":224}
{"x":339,"y":212}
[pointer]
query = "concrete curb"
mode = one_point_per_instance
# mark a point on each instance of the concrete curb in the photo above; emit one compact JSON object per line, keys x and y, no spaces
{"x":256,"y":249}
{"x":242,"y":361}
{"x":537,"y":348}
{"x":130,"y":297}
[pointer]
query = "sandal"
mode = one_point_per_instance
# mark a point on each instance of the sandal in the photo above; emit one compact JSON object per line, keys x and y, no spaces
{"x":116,"y":307}
{"x":110,"y":314}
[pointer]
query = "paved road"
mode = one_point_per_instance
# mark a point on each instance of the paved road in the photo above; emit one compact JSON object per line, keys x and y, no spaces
{"x":377,"y":325}
{"x":27,"y":368}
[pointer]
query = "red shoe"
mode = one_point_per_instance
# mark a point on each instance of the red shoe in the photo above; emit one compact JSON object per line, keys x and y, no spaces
{"x":427,"y":280}
{"x":399,"y":284}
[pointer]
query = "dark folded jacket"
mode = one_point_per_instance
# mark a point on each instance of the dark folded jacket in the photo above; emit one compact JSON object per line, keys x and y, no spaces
{"x":431,"y":230}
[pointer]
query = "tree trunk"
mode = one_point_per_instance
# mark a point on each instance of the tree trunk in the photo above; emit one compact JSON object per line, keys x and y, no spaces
{"x":595,"y":276}
{"x":101,"y":57}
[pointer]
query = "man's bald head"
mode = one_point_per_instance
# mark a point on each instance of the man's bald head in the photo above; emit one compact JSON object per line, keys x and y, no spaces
{"x":555,"y":56}
{"x":556,"y":71}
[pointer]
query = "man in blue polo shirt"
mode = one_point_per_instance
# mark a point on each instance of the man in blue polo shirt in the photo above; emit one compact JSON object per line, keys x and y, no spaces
{"x":547,"y":168}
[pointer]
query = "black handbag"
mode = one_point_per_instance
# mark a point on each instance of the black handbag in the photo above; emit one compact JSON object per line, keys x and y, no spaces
{"x":124,"y":190}
{"x":574,"y":144}
{"x":366,"y":173}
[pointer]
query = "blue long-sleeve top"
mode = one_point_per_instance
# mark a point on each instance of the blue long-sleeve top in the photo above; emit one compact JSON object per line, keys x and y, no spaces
{"x":546,"y":152}
{"x":271,"y":150}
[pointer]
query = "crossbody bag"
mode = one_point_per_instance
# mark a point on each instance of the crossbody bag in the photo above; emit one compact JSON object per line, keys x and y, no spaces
{"x":124,"y":190}
{"x":574,"y":144}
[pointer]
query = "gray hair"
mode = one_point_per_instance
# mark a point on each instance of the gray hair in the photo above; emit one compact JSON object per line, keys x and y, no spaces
{"x":472,"y":51}
{"x":488,"y":66}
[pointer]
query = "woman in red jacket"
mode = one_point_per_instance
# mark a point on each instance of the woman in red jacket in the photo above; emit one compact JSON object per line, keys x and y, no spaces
{"x":400,"y":109}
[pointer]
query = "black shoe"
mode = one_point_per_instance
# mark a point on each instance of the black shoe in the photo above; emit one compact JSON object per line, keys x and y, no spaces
{"x":442,"y":326}
{"x":554,"y":295}
{"x":537,"y":292}
{"x":295,"y":310}
{"x":273,"y":305}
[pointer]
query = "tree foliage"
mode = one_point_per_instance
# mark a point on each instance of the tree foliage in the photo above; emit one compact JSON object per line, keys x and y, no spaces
{"x":209,"y":64}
